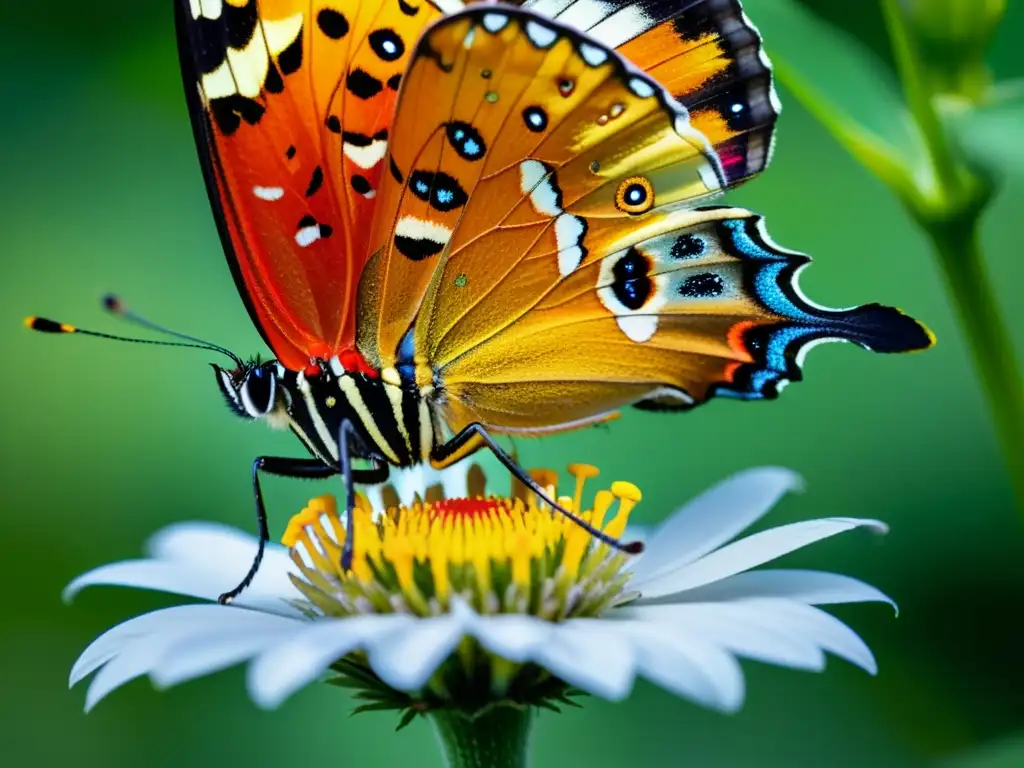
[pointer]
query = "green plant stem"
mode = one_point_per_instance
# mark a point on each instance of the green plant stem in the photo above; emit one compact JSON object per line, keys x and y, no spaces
{"x":919,"y":98}
{"x":497,"y":737}
{"x":968,"y":282}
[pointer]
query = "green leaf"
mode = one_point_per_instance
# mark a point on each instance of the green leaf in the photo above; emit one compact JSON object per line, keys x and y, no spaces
{"x":407,"y":717}
{"x":845,"y":87}
{"x":990,"y":135}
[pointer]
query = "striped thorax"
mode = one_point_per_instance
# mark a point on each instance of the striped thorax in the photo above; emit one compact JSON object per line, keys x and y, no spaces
{"x":392,"y":422}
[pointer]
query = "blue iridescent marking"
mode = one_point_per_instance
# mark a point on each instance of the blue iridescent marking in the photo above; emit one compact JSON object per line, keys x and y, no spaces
{"x":406,"y":354}
{"x":445,"y":196}
{"x":470,"y":147}
{"x":422,"y":187}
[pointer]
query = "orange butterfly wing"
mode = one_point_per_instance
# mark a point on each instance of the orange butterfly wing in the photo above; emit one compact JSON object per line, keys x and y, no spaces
{"x":291,"y":103}
{"x":542,"y":265}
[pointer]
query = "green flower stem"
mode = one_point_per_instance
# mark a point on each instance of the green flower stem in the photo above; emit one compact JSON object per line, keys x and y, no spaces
{"x":949,"y":210}
{"x":497,"y":737}
{"x":968,"y":282}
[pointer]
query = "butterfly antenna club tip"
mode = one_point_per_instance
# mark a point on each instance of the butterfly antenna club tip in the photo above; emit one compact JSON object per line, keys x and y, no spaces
{"x":113,"y":303}
{"x":43,"y":325}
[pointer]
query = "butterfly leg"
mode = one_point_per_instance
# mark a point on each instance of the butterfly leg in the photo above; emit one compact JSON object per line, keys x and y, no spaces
{"x":282,"y":467}
{"x":475,"y":436}
{"x":377,"y":474}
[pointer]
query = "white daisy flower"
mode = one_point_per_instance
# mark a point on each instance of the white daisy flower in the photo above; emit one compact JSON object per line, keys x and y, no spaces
{"x":463,"y":602}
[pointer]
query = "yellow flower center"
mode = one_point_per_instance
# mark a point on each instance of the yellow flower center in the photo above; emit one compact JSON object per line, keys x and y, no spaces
{"x":501,"y":554}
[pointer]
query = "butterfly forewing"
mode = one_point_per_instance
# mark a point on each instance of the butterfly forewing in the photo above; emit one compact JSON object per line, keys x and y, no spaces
{"x":292,"y":101}
{"x":539,"y":238}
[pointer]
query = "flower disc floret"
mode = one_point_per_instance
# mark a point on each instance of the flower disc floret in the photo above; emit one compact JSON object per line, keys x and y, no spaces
{"x":510,"y":554}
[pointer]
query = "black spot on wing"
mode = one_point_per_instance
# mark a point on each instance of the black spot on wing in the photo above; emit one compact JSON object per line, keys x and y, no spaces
{"x":466,"y":140}
{"x":306,"y":221}
{"x":315,"y":182}
{"x":417,"y":249}
{"x":332,"y":23}
{"x":290,"y":152}
{"x":333,"y":124}
{"x":239,"y":23}
{"x":229,"y":112}
{"x":706,"y":285}
{"x":356,"y":139}
{"x":443,"y":192}
{"x":386,"y":44}
{"x":686,"y":247}
{"x":394,"y":81}
{"x":395,"y":173}
{"x":536,"y":119}
{"x":209,"y":44}
{"x":360,"y":184}
{"x":274,"y":82}
{"x":632,"y":286}
{"x":362,"y":84}
{"x":408,"y":9}
{"x":290,"y":59}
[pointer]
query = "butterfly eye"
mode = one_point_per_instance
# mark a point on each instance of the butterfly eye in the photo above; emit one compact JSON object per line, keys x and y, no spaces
{"x":635,"y":195}
{"x":258,"y":393}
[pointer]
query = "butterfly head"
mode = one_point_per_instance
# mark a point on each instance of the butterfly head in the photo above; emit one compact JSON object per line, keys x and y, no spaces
{"x":252,"y":390}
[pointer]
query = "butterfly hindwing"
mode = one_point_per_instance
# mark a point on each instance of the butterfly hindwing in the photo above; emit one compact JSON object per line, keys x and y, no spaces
{"x":291,"y":102}
{"x":542,"y":264}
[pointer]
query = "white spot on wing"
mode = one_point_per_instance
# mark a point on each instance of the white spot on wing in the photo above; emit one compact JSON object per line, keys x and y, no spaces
{"x":418,"y":229}
{"x":593,"y":55}
{"x":584,"y":14}
{"x":638,"y":328}
{"x":209,"y":9}
{"x":336,"y":367}
{"x":569,"y":260}
{"x":245,"y":70}
{"x":622,"y":26}
{"x":308,"y":235}
{"x":368,"y":156}
{"x":539,"y":185}
{"x":495,"y":22}
{"x":467,"y":42}
{"x":641,"y":87}
{"x":569,"y":231}
{"x":540,"y":35}
{"x":270,"y":194}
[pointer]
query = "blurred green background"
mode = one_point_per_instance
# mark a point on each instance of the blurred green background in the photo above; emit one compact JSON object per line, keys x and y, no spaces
{"x":104,"y":443}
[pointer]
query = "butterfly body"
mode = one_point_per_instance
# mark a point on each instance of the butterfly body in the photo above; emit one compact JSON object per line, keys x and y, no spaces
{"x":393,"y":423}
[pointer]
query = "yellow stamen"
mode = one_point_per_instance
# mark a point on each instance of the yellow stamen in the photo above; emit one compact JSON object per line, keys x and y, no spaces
{"x":582,"y":472}
{"x":417,"y":557}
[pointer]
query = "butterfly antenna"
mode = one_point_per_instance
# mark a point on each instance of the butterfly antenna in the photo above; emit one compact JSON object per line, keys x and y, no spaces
{"x":43,"y":325}
{"x":115,"y":306}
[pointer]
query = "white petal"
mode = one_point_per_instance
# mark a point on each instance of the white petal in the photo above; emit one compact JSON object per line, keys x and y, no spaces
{"x":585,"y":653}
{"x":713,"y":518}
{"x":408,"y":482}
{"x":284,"y":668}
{"x":142,"y":653}
{"x":750,"y":552}
{"x":810,"y":587}
{"x":195,"y":657}
{"x":200,"y":560}
{"x":406,"y":659}
{"x":145,"y":574}
{"x":110,"y":642}
{"x":684,"y":664}
{"x":224,"y":554}
{"x":512,"y":636}
{"x":739,"y":628}
{"x":823,"y":629}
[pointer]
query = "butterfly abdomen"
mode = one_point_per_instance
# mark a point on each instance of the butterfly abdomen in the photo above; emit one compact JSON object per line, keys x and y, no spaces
{"x":392,"y":422}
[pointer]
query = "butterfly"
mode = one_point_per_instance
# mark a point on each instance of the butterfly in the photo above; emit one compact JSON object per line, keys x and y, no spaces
{"x":451,"y":223}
